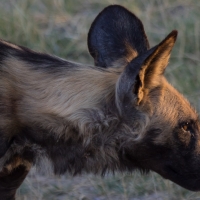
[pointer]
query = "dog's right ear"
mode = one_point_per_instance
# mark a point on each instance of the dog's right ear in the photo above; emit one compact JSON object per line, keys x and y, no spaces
{"x":116,"y":35}
{"x":143,"y":74}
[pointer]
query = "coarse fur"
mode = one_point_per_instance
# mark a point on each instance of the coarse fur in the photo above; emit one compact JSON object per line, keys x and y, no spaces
{"x":119,"y":115}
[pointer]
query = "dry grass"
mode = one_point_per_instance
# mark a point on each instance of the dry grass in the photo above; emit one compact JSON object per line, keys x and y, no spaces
{"x":60,"y":27}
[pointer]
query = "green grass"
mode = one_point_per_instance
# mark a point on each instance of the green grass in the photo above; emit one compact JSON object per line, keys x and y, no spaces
{"x":60,"y":27}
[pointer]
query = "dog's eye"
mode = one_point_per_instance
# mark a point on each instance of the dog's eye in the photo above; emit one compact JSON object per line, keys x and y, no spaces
{"x":185,"y":126}
{"x":188,"y":126}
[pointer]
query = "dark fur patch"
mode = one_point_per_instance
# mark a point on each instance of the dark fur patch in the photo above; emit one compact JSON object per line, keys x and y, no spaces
{"x":10,"y":182}
{"x":38,"y":61}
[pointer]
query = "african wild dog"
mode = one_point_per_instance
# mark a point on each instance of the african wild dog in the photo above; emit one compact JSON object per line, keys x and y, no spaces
{"x":120,"y":115}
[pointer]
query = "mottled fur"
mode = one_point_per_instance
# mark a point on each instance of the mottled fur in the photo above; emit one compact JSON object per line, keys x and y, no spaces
{"x":120,"y":115}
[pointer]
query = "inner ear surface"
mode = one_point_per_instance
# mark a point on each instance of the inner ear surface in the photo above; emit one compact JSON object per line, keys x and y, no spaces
{"x":143,"y":73}
{"x":116,"y":34}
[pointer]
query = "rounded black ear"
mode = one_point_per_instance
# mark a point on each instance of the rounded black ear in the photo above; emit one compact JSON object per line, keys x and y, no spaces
{"x":116,"y":34}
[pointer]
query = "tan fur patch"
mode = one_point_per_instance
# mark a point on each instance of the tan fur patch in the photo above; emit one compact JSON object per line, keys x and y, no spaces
{"x":16,"y":162}
{"x":52,"y":99}
{"x":131,"y":52}
{"x":10,"y":44}
{"x":172,"y":107}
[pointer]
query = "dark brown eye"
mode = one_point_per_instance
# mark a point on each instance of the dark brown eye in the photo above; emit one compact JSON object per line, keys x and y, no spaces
{"x":185,"y":126}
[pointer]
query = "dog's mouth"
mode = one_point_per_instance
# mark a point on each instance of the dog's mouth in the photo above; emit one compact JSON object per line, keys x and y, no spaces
{"x":171,"y":170}
{"x":177,"y":176}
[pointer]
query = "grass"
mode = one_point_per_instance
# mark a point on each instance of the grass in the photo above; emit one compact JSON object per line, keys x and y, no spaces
{"x":60,"y":27}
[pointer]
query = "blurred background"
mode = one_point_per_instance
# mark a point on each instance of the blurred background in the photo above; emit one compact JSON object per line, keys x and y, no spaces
{"x":60,"y":27}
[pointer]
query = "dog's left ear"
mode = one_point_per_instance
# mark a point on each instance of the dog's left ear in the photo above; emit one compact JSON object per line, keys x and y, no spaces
{"x":116,"y":35}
